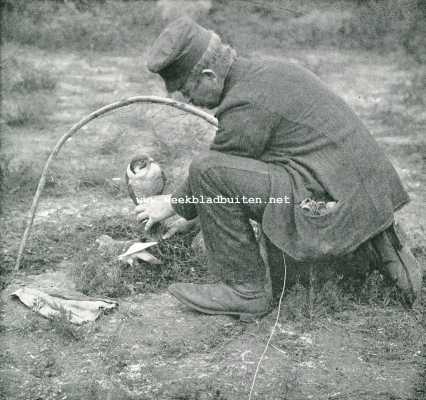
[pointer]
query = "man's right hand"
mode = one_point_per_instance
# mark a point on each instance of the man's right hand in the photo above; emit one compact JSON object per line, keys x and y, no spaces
{"x":154,"y":209}
{"x":180,"y":225}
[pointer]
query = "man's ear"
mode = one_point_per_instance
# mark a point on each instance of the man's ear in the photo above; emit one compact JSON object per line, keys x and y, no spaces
{"x":209,"y":73}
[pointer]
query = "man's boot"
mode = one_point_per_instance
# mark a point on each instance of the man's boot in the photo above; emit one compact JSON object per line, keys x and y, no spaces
{"x":245,"y":301}
{"x":398,"y":261}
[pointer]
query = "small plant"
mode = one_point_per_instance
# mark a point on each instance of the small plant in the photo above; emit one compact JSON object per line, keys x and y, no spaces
{"x":315,"y":299}
{"x":63,"y":327}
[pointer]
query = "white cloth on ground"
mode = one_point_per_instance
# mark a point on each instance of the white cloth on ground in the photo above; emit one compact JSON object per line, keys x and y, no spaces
{"x":78,"y":309}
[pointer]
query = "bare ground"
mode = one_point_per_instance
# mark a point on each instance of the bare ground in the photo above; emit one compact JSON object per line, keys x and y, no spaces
{"x":154,"y":348}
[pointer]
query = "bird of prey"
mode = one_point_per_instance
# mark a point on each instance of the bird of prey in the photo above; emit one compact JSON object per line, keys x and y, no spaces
{"x":144,"y":178}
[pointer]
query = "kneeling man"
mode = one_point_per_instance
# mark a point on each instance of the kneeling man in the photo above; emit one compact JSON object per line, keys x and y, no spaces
{"x":289,"y":154}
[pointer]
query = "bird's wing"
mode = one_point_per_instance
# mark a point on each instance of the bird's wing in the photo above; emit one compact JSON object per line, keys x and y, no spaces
{"x":130,"y":188}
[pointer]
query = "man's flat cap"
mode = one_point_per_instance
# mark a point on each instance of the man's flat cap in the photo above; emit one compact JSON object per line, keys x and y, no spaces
{"x":176,"y":51}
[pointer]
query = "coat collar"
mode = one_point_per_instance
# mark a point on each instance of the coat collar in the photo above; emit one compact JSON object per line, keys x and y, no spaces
{"x":238,"y":69}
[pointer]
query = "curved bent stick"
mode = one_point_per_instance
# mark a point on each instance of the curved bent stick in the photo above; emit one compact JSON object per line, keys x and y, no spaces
{"x":122,"y":103}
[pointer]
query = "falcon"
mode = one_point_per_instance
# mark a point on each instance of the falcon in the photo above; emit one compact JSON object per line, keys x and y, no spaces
{"x":144,"y":178}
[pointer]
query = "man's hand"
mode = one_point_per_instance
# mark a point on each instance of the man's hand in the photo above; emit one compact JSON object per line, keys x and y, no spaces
{"x":154,"y":209}
{"x":180,"y":225}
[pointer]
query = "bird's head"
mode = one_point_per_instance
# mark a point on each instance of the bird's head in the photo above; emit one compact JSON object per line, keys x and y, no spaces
{"x":140,"y":162}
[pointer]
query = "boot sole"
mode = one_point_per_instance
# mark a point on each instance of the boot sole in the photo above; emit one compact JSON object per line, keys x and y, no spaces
{"x":244,"y":317}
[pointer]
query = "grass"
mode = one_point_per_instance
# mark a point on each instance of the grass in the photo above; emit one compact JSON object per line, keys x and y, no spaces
{"x":98,"y":26}
{"x":310,"y":302}
{"x":381,"y":26}
{"x":100,"y":273}
{"x":27,"y":90}
{"x":62,"y":326}
{"x":191,"y":390}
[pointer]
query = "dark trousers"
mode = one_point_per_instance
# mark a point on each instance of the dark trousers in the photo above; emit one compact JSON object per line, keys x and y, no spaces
{"x":230,"y":190}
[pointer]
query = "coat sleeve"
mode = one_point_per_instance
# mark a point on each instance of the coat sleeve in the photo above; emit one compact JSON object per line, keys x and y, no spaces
{"x":244,"y":129}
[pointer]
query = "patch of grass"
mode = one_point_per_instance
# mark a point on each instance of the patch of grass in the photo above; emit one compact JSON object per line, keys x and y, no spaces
{"x":93,"y":389}
{"x":31,"y":324}
{"x":404,"y":331}
{"x":22,"y":111}
{"x":325,"y":290}
{"x":111,"y":145}
{"x":46,"y":248}
{"x":62,"y":326}
{"x":52,"y":243}
{"x":22,"y":76}
{"x":22,"y":176}
{"x":312,"y":302}
{"x":347,"y":24}
{"x":27,"y":91}
{"x":59,"y":324}
{"x":100,"y":273}
{"x":377,"y":290}
{"x":97,"y":179}
{"x":97,"y":273}
{"x":191,"y":390}
{"x":96,"y":26}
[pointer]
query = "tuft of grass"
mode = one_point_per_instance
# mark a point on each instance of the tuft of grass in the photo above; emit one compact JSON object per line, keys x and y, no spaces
{"x":307,"y":303}
{"x":100,"y":275}
{"x":62,"y":326}
{"x":191,"y":390}
{"x":378,"y":290}
{"x":319,"y":291}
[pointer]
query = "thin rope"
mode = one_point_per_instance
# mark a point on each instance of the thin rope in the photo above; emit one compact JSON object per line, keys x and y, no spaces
{"x":272,"y":331}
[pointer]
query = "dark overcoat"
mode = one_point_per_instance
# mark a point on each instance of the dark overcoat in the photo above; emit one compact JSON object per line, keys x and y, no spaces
{"x":316,"y":147}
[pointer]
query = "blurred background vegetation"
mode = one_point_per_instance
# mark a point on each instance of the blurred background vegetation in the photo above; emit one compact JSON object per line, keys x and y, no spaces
{"x":102,"y":25}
